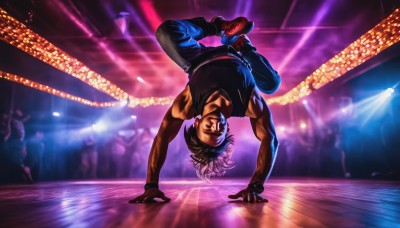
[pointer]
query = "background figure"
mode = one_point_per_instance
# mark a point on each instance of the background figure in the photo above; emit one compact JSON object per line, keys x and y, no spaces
{"x":34,"y":159}
{"x":139,"y":158}
{"x":133,"y":160}
{"x":18,"y":125}
{"x":5,"y":128}
{"x":5,"y":131}
{"x":120,"y":157}
{"x":331,"y":156}
{"x":340,"y":146}
{"x":16,"y":153}
{"x":88,"y":158}
{"x":17,"y":170}
{"x":305,"y":153}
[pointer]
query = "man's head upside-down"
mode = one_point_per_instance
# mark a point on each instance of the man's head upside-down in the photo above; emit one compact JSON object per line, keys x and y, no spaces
{"x":209,"y":142}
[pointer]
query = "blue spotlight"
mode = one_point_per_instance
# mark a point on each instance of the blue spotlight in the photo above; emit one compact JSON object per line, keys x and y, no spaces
{"x":56,"y":114}
{"x":305,"y":102}
{"x":373,"y":106}
{"x":389,"y":92}
{"x":133,"y":117}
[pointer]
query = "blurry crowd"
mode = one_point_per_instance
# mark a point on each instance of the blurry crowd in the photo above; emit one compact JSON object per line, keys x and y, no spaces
{"x":313,"y":152}
{"x":341,"y":150}
{"x":57,"y":153}
{"x":121,"y":154}
{"x":45,"y":155}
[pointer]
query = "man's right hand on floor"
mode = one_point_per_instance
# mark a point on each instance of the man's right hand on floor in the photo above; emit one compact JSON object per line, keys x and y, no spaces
{"x":149,"y":195}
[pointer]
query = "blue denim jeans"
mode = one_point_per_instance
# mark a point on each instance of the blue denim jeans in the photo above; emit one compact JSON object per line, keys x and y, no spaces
{"x":180,"y":41}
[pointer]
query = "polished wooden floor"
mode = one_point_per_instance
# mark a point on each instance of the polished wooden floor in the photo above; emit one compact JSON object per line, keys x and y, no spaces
{"x":292,"y":203}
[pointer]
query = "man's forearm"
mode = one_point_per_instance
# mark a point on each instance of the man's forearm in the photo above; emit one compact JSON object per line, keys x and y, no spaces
{"x":265,"y":160}
{"x":157,"y":156}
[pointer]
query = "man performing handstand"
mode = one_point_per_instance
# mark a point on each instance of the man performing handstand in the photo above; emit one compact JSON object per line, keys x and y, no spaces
{"x":222,"y":84}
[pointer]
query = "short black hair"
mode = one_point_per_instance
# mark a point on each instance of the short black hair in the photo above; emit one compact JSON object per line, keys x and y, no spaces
{"x":208,"y":160}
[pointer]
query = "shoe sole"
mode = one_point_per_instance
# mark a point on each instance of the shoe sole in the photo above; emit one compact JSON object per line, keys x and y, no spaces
{"x":244,"y":30}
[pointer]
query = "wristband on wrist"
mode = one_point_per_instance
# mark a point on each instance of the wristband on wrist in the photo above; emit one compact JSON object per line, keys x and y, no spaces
{"x":256,"y":186}
{"x":150,"y":186}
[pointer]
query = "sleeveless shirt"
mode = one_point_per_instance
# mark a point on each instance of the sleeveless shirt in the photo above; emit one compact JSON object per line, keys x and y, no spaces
{"x":231,"y":75}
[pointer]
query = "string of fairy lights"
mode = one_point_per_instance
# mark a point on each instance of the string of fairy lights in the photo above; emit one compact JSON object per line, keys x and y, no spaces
{"x":48,"y":89}
{"x":143,"y":102}
{"x":379,"y":38}
{"x":17,"y":34}
{"x":382,"y":36}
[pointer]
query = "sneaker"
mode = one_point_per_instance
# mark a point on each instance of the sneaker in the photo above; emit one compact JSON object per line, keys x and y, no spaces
{"x":235,"y":27}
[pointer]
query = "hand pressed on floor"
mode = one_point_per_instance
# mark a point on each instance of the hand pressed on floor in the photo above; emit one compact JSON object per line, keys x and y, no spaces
{"x":149,"y":195}
{"x":248,"y":195}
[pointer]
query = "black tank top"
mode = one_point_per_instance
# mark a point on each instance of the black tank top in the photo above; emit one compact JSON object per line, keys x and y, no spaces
{"x":231,"y":75}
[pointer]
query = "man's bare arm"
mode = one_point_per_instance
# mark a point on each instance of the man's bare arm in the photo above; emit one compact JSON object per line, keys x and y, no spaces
{"x":264,"y":130}
{"x":168,"y":130}
{"x":180,"y":110}
{"x":261,"y":122}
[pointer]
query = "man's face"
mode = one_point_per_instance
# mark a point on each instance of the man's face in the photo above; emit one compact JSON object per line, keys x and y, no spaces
{"x":212,"y":128}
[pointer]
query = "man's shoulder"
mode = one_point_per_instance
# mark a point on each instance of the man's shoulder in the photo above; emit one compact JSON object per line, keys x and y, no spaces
{"x":182,"y":107}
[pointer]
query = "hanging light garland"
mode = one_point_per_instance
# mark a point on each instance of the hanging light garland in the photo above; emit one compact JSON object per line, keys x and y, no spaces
{"x":17,"y":34}
{"x":379,"y":38}
{"x":382,"y":36}
{"x":53,"y":91}
{"x":143,"y":102}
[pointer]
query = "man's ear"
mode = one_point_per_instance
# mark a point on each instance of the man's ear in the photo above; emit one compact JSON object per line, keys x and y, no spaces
{"x":196,"y":122}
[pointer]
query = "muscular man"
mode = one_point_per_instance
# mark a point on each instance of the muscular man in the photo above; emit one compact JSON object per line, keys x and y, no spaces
{"x":222,"y":84}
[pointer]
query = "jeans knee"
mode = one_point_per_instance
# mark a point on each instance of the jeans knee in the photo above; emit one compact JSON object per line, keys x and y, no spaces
{"x":162,"y":30}
{"x":166,"y":28}
{"x":271,"y":85}
{"x":276,"y":83}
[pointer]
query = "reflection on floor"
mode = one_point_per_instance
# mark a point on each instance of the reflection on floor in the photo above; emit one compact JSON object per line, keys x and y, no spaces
{"x":292,"y":203}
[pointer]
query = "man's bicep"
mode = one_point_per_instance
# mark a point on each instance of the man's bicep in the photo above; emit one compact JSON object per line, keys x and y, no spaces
{"x":169,"y":126}
{"x":263,"y":125}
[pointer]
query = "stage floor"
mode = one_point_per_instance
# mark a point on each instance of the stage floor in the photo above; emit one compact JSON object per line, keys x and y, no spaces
{"x":292,"y":203}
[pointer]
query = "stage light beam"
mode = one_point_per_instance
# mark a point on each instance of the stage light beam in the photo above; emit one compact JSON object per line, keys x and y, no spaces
{"x":388,"y":92}
{"x":99,"y":127}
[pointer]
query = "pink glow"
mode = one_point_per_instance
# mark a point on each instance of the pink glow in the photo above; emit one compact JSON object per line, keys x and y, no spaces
{"x":150,"y":13}
{"x":306,"y":36}
{"x":118,"y":61}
